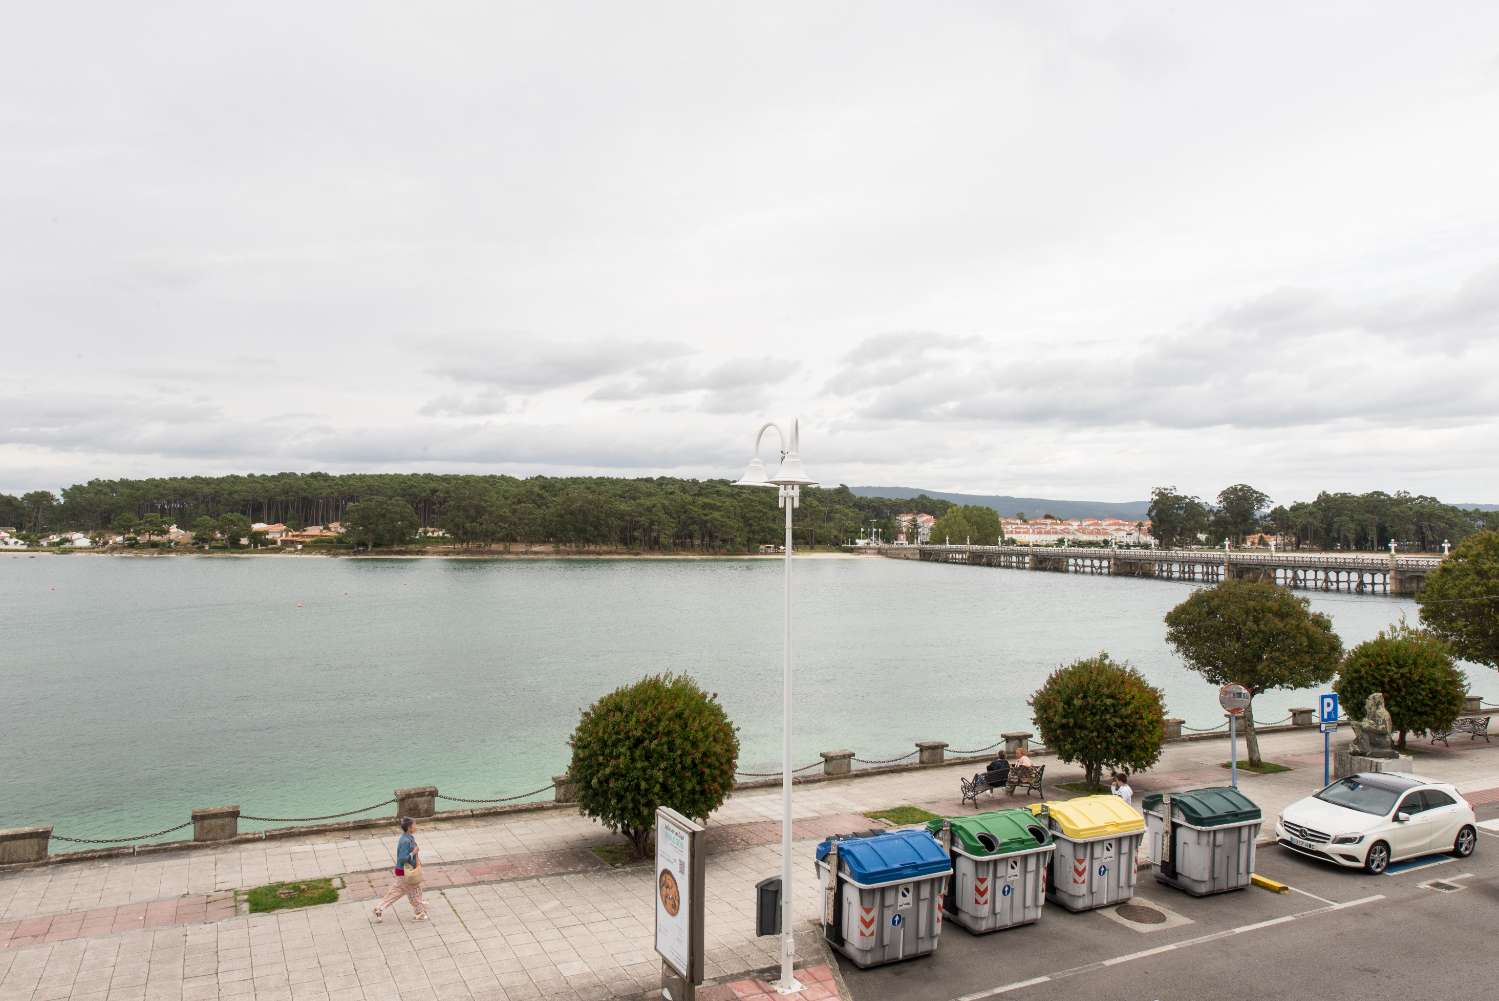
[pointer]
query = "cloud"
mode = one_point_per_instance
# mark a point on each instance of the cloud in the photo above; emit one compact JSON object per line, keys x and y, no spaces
{"x":526,"y":364}
{"x":736,"y":386}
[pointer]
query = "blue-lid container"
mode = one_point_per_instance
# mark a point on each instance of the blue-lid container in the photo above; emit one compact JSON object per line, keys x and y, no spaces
{"x":889,"y":858}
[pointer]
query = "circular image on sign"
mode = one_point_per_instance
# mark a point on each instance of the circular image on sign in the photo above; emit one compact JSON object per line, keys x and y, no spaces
{"x":671,"y":894}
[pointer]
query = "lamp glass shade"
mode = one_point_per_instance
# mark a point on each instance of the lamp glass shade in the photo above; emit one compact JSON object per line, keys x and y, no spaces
{"x":790,"y":474}
{"x":754,"y":475}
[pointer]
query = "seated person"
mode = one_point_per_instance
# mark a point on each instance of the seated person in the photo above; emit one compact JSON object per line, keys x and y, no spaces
{"x":996,"y":773}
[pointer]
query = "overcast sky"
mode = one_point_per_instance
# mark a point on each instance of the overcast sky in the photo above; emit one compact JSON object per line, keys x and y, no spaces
{"x":1057,"y":249}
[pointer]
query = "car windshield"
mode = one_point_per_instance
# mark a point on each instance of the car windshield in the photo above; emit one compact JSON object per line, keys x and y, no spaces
{"x":1355,"y":795}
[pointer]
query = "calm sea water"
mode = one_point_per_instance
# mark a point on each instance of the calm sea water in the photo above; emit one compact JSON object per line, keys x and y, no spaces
{"x":136,"y":689}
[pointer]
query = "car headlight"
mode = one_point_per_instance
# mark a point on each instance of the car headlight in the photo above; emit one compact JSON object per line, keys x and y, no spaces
{"x":1347,"y":839}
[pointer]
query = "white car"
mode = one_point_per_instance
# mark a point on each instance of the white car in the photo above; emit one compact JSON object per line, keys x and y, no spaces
{"x":1371,"y":819}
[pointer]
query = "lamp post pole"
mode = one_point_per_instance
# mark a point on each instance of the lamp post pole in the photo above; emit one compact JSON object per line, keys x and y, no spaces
{"x":788,"y":479}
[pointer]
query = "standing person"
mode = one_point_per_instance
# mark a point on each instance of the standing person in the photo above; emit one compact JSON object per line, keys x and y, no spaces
{"x":408,"y":882}
{"x":1122,"y":788}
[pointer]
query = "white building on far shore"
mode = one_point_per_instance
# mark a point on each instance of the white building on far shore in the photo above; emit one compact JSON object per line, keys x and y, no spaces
{"x":1097,"y":531}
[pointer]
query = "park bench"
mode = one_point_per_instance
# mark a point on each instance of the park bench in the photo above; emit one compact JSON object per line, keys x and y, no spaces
{"x":1028,"y":776}
{"x":1473,"y":726}
{"x":986,"y":781}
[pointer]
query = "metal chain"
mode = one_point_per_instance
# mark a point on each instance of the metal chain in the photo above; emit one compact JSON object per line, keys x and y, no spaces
{"x":501,"y":799}
{"x":331,"y":816}
{"x":115,"y":841}
{"x":980,"y":750}
{"x":771,"y":775}
{"x":887,"y":761}
{"x":1205,"y":729}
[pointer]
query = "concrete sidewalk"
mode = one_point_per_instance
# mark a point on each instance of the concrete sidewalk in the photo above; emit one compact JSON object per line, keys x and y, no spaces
{"x":521,"y":906}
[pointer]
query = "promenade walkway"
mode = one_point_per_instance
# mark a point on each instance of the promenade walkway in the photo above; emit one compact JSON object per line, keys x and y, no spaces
{"x":521,"y":905}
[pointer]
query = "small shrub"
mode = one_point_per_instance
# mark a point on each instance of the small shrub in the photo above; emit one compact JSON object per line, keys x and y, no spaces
{"x":280,"y":896}
{"x":1101,"y":714}
{"x":662,"y":741}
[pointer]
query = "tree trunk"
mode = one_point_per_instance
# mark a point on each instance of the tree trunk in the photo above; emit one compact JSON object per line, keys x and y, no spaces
{"x":1091,"y":771}
{"x":1401,"y":744}
{"x":1251,"y":739}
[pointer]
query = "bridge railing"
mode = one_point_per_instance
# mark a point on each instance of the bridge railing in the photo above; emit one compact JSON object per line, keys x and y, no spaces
{"x":1366,"y":561}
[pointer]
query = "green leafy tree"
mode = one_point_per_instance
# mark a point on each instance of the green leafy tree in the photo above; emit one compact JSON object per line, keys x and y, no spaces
{"x":234,"y":527}
{"x":205,"y":529}
{"x":1239,"y":510}
{"x":662,"y":741}
{"x":473,"y":514}
{"x":151,"y":525}
{"x":1460,"y":599}
{"x":1255,"y":634}
{"x":1175,"y":518}
{"x":1102,"y":714}
{"x":38,"y":507}
{"x":1423,"y":688}
{"x":12,"y":511}
{"x":952,"y":527}
{"x":125,"y":523}
{"x":381,"y":521}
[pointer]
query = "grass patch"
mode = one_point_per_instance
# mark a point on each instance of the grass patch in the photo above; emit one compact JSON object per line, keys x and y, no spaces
{"x":617,"y":853}
{"x":1264,"y":768}
{"x":280,"y":896}
{"x":1081,"y":788}
{"x":901,"y":816}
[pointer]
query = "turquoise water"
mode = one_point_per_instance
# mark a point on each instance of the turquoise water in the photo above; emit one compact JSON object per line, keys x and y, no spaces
{"x":139,"y":688}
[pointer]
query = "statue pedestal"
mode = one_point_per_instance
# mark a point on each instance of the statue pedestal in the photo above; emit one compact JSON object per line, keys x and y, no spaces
{"x":1347,"y":763}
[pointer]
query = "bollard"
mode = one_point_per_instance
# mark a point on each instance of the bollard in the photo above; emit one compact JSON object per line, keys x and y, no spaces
{"x":24,"y":844}
{"x":1017,"y":742}
{"x":837,"y":762}
{"x":1303,"y":717}
{"x":1171,"y":729}
{"x":1472,"y":703}
{"x":215,"y":823}
{"x":418,"y":801}
{"x":933,"y":752}
{"x":566,"y":790}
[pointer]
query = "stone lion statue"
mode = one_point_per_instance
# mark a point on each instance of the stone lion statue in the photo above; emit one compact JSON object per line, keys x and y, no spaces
{"x":1371,"y":735}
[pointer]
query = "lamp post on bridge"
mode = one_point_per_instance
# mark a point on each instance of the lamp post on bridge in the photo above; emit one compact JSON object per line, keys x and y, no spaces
{"x":1446,"y":547}
{"x":788,"y":479}
{"x":1392,"y":549}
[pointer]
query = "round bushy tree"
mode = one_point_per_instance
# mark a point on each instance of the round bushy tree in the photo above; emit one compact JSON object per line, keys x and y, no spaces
{"x":1423,"y":688}
{"x":662,"y":741}
{"x":1460,"y":599}
{"x":1257,"y":634}
{"x":1101,"y":714}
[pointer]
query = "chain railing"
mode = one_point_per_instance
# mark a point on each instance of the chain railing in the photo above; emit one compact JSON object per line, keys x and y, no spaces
{"x":308,"y":820}
{"x":499,"y":799}
{"x":777,"y":772}
{"x":886,"y":761}
{"x":121,"y":841}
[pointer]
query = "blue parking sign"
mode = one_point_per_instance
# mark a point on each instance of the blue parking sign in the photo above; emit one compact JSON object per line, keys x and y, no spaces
{"x":1328,"y":705}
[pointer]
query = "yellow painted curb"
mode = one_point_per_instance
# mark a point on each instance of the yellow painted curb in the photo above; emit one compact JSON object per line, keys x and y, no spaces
{"x":1264,"y":882}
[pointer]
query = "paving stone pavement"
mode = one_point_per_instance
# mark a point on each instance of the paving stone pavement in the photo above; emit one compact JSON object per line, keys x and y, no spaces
{"x":521,"y":908}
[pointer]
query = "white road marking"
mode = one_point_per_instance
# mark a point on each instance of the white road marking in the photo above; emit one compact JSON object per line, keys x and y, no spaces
{"x":1324,"y":900}
{"x":1489,"y":826}
{"x":1418,"y":868}
{"x":1185,"y":944}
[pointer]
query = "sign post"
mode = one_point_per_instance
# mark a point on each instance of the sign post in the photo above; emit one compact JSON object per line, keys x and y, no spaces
{"x":679,"y":904}
{"x":1234,"y":699}
{"x":1328,"y":714}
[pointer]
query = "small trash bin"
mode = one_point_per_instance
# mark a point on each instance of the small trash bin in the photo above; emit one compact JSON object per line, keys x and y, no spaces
{"x":1211,"y":839}
{"x":887,"y":902}
{"x":1094,"y":864}
{"x":999,"y":868}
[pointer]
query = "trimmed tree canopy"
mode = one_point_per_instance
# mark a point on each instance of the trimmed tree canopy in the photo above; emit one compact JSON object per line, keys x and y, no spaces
{"x":1460,"y":599}
{"x":1256,"y":634}
{"x":1102,"y":714}
{"x":662,"y":741}
{"x":1423,"y":688}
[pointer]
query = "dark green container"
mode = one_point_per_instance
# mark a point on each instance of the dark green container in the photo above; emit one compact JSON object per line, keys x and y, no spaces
{"x":999,"y":832}
{"x":1218,"y":807}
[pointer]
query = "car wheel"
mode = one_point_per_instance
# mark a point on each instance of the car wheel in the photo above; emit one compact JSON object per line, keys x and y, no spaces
{"x":1467,"y":840}
{"x":1378,"y":859}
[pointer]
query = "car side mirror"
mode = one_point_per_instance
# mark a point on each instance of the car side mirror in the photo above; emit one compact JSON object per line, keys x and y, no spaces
{"x":1402,"y":817}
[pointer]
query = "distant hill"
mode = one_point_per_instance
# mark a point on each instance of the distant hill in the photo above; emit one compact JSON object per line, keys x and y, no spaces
{"x":1467,"y":507}
{"x":1034,"y":507}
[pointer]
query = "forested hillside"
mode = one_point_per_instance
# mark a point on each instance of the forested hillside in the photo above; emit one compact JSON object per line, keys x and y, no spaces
{"x":661,"y":513}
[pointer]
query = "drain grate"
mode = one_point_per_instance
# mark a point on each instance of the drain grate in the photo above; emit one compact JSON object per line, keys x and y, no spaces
{"x":1441,"y":886}
{"x":1140,"y":915}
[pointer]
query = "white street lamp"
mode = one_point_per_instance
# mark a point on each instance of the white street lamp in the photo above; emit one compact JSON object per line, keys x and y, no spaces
{"x":1446,"y":547}
{"x":789,"y":479}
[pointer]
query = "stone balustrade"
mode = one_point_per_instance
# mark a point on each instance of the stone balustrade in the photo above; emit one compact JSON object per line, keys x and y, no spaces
{"x":931,"y":752}
{"x":418,"y":801}
{"x":215,"y":823}
{"x":839,"y":762}
{"x":19,"y":845}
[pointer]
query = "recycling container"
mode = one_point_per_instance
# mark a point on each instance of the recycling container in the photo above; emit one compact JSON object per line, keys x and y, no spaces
{"x":999,"y":868}
{"x":886,"y":904}
{"x":1210,"y":835}
{"x":1096,"y":838}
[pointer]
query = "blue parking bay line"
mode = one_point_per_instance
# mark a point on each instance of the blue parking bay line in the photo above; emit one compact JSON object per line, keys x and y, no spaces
{"x":1422,"y":862}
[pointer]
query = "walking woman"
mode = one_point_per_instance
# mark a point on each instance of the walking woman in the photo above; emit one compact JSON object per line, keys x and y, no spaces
{"x":408,"y":882}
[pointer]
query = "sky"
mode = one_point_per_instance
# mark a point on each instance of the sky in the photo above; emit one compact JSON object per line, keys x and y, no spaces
{"x":1051,"y":249}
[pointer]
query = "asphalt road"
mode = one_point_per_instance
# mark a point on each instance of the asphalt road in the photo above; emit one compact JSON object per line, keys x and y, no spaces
{"x":1340,"y":935}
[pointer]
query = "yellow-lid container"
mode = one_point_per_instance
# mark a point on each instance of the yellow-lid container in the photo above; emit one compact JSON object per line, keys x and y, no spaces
{"x":1088,"y":818}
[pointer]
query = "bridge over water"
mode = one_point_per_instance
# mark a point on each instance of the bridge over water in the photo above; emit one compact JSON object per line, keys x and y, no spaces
{"x":1359,"y":573}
